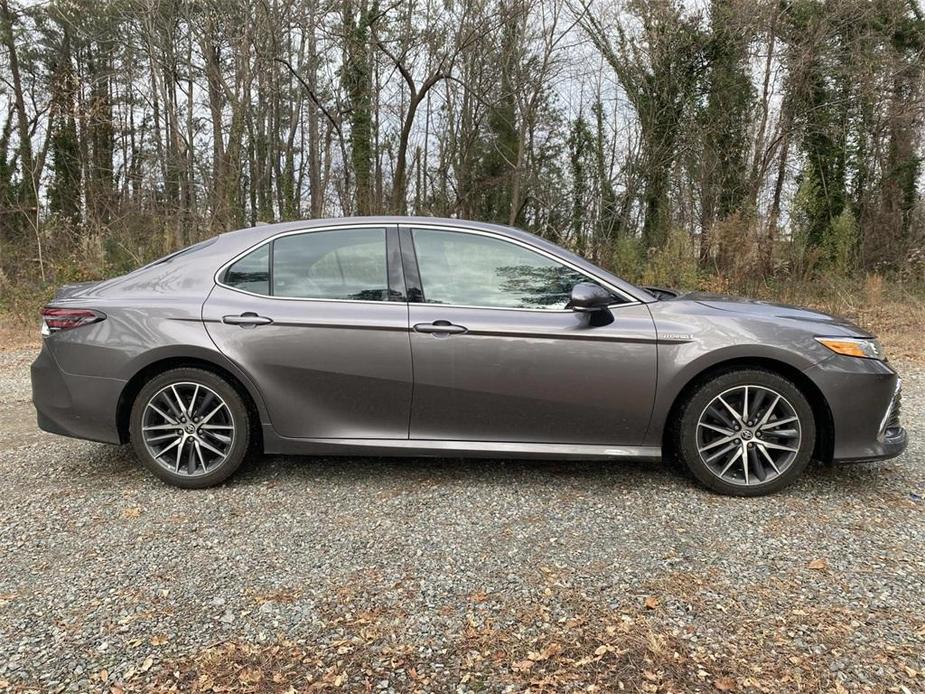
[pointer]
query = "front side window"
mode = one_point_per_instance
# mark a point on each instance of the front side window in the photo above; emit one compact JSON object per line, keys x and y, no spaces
{"x":337,"y":264}
{"x":472,"y":270}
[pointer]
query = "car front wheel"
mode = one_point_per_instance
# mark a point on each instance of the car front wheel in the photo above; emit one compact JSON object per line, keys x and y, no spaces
{"x":746,"y":432}
{"x":190,"y":427}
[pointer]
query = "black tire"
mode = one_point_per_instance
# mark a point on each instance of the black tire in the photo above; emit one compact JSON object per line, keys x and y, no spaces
{"x":237,"y":427}
{"x":705,"y":394}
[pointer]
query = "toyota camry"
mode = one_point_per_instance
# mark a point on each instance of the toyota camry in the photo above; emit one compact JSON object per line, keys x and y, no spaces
{"x":439,"y":337}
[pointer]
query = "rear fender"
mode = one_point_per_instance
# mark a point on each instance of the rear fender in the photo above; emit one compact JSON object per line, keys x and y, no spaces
{"x":174,"y":355}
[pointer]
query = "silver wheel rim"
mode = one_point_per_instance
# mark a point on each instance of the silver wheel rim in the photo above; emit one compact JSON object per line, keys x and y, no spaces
{"x":748,"y":435}
{"x":188,"y":428}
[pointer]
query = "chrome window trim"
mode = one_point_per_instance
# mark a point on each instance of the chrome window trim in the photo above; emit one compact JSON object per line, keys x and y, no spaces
{"x":547,"y":311}
{"x":461,"y":228}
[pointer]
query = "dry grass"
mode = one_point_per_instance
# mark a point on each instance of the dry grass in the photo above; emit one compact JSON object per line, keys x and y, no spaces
{"x":890,"y":311}
{"x":15,"y":335}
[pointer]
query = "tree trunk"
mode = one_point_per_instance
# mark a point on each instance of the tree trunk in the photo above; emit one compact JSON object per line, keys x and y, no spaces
{"x":29,"y":197}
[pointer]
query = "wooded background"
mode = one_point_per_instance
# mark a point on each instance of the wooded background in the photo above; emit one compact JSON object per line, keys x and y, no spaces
{"x":668,"y":141}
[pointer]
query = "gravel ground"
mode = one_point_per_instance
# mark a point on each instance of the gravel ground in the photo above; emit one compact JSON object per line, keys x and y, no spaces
{"x":448,"y":575}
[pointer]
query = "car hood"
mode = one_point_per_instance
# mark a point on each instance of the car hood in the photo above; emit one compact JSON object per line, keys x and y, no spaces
{"x":832,"y":325}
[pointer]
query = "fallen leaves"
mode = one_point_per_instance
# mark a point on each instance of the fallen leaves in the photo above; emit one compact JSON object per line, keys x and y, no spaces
{"x":550,"y":651}
{"x":571,"y":642}
{"x":281,"y":596}
{"x":250,"y":676}
{"x":132,"y":512}
{"x":818,"y":565}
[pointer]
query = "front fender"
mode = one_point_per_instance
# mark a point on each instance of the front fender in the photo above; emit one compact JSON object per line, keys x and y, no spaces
{"x":679,"y":364}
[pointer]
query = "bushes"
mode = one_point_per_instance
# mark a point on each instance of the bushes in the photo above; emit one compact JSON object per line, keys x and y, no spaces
{"x":628,"y":258}
{"x":672,"y":265}
{"x":79,"y":253}
{"x":738,"y":251}
{"x":841,"y":244}
{"x":743,"y":258}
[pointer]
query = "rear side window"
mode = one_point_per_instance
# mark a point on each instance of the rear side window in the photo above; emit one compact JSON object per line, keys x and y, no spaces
{"x":339,"y":264}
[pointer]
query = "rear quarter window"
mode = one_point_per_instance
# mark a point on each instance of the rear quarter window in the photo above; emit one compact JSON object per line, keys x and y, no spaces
{"x":251,"y":273}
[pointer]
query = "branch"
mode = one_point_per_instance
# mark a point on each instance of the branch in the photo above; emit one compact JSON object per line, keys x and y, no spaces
{"x":598,"y":36}
{"x":312,"y":96}
{"x":405,"y":73}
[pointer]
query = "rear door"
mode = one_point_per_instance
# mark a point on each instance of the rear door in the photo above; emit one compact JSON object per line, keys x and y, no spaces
{"x":498,"y":357}
{"x":319,"y":320}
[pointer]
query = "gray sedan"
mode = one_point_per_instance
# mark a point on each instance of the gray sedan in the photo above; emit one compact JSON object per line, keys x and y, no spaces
{"x":420,"y":336}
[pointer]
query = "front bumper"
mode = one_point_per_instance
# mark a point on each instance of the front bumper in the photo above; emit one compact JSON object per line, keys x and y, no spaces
{"x":890,"y":447}
{"x":84,"y":407}
{"x":863,"y":397}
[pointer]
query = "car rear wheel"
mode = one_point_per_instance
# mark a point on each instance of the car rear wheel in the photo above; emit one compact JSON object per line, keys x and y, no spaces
{"x":190,"y":427}
{"x":746,"y":432}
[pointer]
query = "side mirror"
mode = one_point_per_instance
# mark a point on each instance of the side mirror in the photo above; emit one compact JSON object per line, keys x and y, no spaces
{"x":588,"y":297}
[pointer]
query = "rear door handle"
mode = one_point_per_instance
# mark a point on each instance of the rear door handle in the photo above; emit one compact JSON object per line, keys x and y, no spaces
{"x":440,"y":327}
{"x":247,"y":320}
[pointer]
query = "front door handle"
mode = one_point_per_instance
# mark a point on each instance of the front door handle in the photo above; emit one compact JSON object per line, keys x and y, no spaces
{"x":439,"y":327}
{"x":247,"y":320}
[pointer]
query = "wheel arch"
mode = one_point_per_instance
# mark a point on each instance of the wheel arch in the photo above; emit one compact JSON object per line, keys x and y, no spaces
{"x":151,"y":369}
{"x":822,"y":413}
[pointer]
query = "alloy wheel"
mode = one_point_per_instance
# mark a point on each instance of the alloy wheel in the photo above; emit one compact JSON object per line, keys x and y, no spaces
{"x":188,"y":428}
{"x":748,"y":435}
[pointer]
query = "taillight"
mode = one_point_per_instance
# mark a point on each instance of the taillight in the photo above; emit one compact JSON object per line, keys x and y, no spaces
{"x":57,"y":319}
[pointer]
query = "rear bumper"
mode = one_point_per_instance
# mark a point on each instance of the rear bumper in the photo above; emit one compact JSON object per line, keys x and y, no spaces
{"x":84,"y":407}
{"x":863,"y":398}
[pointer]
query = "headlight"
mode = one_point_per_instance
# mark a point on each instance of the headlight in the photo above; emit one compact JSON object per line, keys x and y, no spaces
{"x":866,"y":347}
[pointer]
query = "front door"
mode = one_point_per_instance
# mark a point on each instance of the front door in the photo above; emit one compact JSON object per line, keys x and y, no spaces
{"x":498,"y":357}
{"x":317,"y":321}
